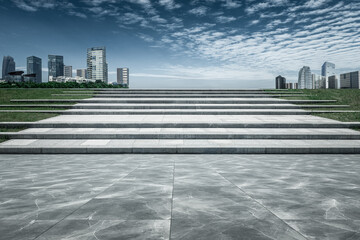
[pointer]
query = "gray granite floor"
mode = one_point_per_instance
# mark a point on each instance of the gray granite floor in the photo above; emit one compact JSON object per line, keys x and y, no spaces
{"x":179,"y":197}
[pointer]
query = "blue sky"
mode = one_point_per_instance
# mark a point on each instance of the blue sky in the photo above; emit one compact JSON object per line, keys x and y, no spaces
{"x":188,"y":44}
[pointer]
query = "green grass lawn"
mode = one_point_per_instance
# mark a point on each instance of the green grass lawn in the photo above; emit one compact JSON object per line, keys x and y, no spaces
{"x":6,"y":95}
{"x":343,"y":96}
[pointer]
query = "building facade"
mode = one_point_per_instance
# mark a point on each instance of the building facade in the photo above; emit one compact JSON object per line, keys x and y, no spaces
{"x":81,"y":73}
{"x":56,"y":65}
{"x":8,"y":65}
{"x":68,"y":71}
{"x":319,"y":82}
{"x":280,"y":82}
{"x":289,"y":86}
{"x":327,"y":70}
{"x":34,"y":66}
{"x":70,"y":79}
{"x":123,"y":76}
{"x":350,"y":80}
{"x":97,"y":68}
{"x":305,"y":79}
{"x":333,"y":82}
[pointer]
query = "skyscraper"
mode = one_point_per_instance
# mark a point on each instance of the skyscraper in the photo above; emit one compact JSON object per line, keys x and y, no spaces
{"x":68,"y":71}
{"x":305,"y":79}
{"x":56,"y":65}
{"x":333,"y":82}
{"x":34,"y":66}
{"x":280,"y":82}
{"x":8,"y":65}
{"x":97,"y":68}
{"x":327,"y":70}
{"x":350,"y":80}
{"x":123,"y":76}
{"x":81,"y":73}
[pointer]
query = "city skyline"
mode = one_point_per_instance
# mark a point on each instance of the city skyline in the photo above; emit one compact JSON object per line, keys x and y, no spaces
{"x":170,"y":43}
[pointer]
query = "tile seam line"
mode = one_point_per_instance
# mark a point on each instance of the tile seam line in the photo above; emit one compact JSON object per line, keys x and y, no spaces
{"x":86,"y":203}
{"x":261,"y":205}
{"x":172,"y":200}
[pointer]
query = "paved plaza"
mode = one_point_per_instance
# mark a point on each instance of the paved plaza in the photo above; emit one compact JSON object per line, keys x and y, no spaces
{"x":62,"y":193}
{"x":179,"y":197}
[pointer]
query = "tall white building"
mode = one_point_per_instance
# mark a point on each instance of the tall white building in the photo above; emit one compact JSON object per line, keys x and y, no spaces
{"x":327,"y":70}
{"x":97,"y":68}
{"x":305,"y":79}
{"x":68,"y":71}
{"x":123,"y":76}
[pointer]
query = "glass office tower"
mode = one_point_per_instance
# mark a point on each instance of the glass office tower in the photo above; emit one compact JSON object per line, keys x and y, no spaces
{"x":8,"y":65}
{"x":123,"y":76}
{"x":305,"y":79}
{"x":34,"y":66}
{"x":97,"y":68}
{"x":327,"y":70}
{"x":68,"y":71}
{"x":280,"y":82}
{"x":56,"y":65}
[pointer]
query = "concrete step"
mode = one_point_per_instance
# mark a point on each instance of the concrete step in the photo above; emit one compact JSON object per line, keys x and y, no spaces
{"x":189,"y":146}
{"x":181,"y":133}
{"x":180,"y":111}
{"x":36,"y":105}
{"x":169,"y":112}
{"x":177,"y":90}
{"x":170,"y":106}
{"x":177,"y":101}
{"x":129,"y":91}
{"x":198,"y":106}
{"x":182,"y":92}
{"x":178,"y":95}
{"x":208,"y":125}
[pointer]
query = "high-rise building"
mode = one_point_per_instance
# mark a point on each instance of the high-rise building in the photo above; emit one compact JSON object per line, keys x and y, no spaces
{"x":8,"y":65}
{"x":81,"y":73}
{"x":123,"y":76}
{"x":68,"y":71}
{"x":327,"y":70}
{"x":56,"y":65}
{"x":289,"y":85}
{"x":350,"y":80}
{"x":97,"y":68}
{"x":34,"y":66}
{"x":296,"y":85}
{"x":333,"y":82}
{"x":280,"y":82}
{"x":305,"y":79}
{"x":319,"y":82}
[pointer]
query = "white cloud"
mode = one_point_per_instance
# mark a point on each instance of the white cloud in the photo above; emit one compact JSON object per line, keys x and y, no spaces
{"x":169,"y":4}
{"x":199,"y":11}
{"x":316,"y":3}
{"x":34,"y":5}
{"x":266,"y":4}
{"x":231,"y":4}
{"x":224,"y":19}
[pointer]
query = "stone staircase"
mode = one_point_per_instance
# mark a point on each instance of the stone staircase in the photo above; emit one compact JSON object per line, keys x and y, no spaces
{"x":183,"y":121}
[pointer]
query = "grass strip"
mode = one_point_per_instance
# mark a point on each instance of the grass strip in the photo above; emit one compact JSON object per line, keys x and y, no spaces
{"x":349,"y":97}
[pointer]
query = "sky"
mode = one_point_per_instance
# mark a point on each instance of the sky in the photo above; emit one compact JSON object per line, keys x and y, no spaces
{"x":187,"y":44}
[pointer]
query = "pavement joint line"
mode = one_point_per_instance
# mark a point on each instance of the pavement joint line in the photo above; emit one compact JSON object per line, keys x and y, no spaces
{"x":179,"y":136}
{"x":85,"y":203}
{"x":267,"y":209}
{"x":182,"y":150}
{"x":178,"y":125}
{"x":172,"y":199}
